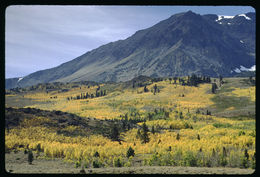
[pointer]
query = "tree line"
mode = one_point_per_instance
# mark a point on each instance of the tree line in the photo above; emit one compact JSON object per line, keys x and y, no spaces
{"x":98,"y":93}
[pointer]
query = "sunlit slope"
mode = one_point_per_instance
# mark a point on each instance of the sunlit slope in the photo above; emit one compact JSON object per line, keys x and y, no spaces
{"x":235,"y":97}
{"x":120,"y":102}
{"x":213,"y":130}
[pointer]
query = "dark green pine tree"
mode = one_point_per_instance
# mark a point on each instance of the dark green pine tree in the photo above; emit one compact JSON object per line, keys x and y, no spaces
{"x":214,"y":88}
{"x":146,"y":89}
{"x":170,"y":79}
{"x":96,"y":154}
{"x":154,"y":89}
{"x":115,"y":133}
{"x":130,"y":152}
{"x":144,"y":134}
{"x":30,"y":157}
{"x":153,"y":130}
{"x":175,"y":79}
{"x":178,"y":137}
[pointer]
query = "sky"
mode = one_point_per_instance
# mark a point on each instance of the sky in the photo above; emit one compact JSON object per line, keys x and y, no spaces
{"x":39,"y":37}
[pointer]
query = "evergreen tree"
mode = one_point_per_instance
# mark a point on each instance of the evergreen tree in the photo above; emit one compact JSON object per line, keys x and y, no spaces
{"x":170,"y":79}
{"x":133,"y":84}
{"x":178,"y":137}
{"x":155,"y":88}
{"x":97,"y":93}
{"x":30,"y":157}
{"x":115,"y":133}
{"x":153,"y":131}
{"x":146,"y":89}
{"x":96,"y":154}
{"x":246,"y":154}
{"x":144,"y":134}
{"x":130,"y":152}
{"x":175,"y":79}
{"x":214,"y":88}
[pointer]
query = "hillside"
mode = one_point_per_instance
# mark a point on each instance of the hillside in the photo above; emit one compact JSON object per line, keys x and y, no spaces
{"x":90,"y":127}
{"x":184,"y":44}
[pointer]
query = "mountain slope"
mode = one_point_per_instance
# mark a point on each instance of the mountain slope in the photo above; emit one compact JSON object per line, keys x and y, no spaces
{"x":183,"y":44}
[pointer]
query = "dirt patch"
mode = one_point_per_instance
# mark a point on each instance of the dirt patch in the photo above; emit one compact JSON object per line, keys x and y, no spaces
{"x":17,"y":163}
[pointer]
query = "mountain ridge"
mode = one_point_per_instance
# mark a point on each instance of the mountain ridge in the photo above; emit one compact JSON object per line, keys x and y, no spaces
{"x":183,"y":44}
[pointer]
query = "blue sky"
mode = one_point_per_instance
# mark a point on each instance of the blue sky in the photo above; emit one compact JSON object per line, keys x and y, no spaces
{"x":41,"y":37}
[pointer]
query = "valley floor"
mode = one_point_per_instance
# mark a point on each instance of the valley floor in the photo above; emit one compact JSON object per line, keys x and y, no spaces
{"x":17,"y":163}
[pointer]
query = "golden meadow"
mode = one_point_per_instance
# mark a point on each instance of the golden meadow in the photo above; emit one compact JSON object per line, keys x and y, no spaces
{"x":204,"y":140}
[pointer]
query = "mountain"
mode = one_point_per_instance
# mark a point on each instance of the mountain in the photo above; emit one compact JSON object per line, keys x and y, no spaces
{"x":183,"y":44}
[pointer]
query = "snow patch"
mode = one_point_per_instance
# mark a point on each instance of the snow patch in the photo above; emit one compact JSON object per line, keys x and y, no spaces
{"x":220,"y":17}
{"x":244,"y":15}
{"x":252,"y":68}
{"x":237,"y":70}
{"x":242,"y":68}
{"x":20,"y":79}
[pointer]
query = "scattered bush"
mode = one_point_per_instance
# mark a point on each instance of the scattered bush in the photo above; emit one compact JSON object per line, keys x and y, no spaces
{"x":97,"y":164}
{"x":117,"y":162}
{"x":222,"y":125}
{"x":77,"y":164}
{"x":189,"y":159}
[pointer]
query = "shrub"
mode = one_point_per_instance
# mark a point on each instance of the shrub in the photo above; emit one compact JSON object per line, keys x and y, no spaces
{"x":241,"y":133}
{"x":189,"y":159}
{"x":253,"y":161}
{"x":223,"y":161}
{"x":96,"y":164}
{"x":154,"y":160}
{"x":77,"y":164}
{"x":129,"y":162}
{"x":117,"y":162}
{"x":244,"y":162}
{"x":222,"y":125}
